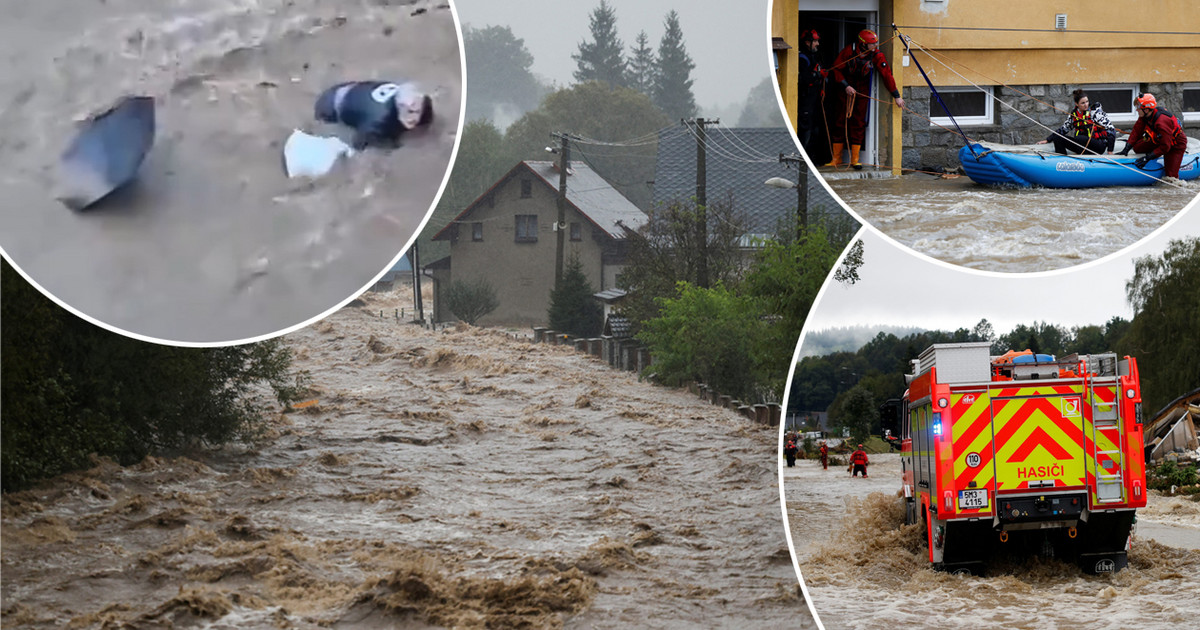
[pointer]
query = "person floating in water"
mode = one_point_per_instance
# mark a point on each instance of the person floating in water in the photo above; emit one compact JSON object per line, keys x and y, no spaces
{"x":380,"y":112}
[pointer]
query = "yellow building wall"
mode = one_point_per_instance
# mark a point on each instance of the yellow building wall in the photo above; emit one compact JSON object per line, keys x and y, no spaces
{"x":785,"y":23}
{"x":1135,"y":48}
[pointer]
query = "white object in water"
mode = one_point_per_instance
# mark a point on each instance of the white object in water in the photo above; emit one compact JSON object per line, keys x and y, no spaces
{"x":306,"y":155}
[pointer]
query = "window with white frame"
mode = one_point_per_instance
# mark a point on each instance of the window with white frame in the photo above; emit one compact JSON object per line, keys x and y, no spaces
{"x":970,"y":106}
{"x":1191,"y":101}
{"x":1115,"y":98}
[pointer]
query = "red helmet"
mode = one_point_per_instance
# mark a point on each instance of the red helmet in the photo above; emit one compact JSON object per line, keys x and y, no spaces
{"x":1146,"y":101}
{"x":867,"y":36}
{"x":811,"y":35}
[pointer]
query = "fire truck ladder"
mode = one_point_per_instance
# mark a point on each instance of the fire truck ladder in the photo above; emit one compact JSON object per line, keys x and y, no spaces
{"x":1110,"y":483}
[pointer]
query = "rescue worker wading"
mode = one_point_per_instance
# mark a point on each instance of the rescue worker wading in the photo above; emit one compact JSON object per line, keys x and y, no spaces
{"x":810,"y":87}
{"x":1156,"y":133}
{"x":858,"y":462}
{"x":852,"y":71}
{"x":789,"y":451}
{"x":824,"y":456}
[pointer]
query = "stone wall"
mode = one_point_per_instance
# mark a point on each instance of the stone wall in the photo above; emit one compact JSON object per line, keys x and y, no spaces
{"x":929,"y":147}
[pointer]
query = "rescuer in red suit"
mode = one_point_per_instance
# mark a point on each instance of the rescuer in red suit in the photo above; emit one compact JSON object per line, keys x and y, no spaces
{"x":1156,"y":132}
{"x":858,"y":462}
{"x":851,"y":74}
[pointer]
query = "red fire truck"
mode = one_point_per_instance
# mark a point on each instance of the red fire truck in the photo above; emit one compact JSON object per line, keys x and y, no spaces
{"x":1022,"y":450}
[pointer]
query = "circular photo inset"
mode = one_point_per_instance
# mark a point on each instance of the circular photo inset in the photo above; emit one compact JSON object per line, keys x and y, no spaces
{"x":215,"y":171}
{"x":1015,"y":138}
{"x":999,"y":434}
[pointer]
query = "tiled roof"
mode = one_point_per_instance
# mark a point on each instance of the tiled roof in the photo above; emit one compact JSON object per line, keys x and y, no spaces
{"x":594,"y":197}
{"x":738,"y":160}
{"x":587,"y":192}
{"x":617,"y":326}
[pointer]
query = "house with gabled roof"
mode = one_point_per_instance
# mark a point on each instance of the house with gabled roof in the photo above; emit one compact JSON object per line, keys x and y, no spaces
{"x":508,"y":237}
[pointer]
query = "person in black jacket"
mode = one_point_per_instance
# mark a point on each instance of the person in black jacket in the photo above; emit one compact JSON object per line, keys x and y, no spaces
{"x":810,"y":87}
{"x":380,"y":112}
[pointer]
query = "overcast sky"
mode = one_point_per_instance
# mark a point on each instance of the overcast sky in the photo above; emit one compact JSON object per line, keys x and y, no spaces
{"x":727,"y":40}
{"x":903,"y":289}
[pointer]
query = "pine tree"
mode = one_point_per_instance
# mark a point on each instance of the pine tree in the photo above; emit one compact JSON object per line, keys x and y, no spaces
{"x":603,"y":59}
{"x":673,"y":83}
{"x":573,"y":310}
{"x":642,"y":67}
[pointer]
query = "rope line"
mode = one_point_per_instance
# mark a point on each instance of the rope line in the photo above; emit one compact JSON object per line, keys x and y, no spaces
{"x":1022,"y":114}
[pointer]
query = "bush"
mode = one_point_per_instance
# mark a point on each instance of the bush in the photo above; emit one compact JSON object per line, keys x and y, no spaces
{"x":706,"y":335}
{"x":71,"y":389}
{"x":1169,"y":474}
{"x":471,"y":301}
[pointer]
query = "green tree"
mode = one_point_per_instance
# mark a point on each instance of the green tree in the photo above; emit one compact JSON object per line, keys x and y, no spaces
{"x":597,"y":111}
{"x":705,"y":335}
{"x":71,"y":389}
{"x":471,"y":300}
{"x":499,"y":73}
{"x":762,"y":107}
{"x":666,"y":251}
{"x":673,"y":84}
{"x":573,"y":310}
{"x":858,"y":410}
{"x":642,"y":66}
{"x":1165,"y":331}
{"x":786,"y":276}
{"x":983,"y":331}
{"x":602,"y":59}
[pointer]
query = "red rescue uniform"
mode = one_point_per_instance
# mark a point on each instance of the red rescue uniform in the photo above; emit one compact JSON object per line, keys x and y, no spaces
{"x":859,"y":461}
{"x":854,"y":69}
{"x":1160,"y":134}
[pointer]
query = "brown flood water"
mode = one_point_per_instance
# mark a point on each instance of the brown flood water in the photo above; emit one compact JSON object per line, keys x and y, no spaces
{"x":1009,"y":229}
{"x":864,"y":568}
{"x":460,"y":478}
{"x":213,"y":242}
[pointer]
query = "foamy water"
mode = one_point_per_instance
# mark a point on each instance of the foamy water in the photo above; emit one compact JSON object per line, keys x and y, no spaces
{"x":459,"y":478}
{"x":1009,"y":229}
{"x":213,"y":242}
{"x":865,"y":569}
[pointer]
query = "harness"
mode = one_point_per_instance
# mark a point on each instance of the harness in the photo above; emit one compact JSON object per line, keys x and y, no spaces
{"x":1176,"y":133}
{"x":1085,"y":124}
{"x":862,"y":63}
{"x":813,"y":78}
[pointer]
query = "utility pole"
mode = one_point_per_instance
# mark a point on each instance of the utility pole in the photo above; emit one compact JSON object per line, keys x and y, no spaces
{"x":564,"y":160}
{"x":702,"y":196}
{"x":801,"y":192}
{"x":414,"y":260}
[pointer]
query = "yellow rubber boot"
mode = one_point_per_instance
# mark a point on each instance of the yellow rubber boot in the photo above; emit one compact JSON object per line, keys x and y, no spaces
{"x":837,"y":155}
{"x":854,"y":149}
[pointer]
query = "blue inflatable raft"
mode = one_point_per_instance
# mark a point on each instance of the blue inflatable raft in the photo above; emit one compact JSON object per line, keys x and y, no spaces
{"x":1035,"y":165}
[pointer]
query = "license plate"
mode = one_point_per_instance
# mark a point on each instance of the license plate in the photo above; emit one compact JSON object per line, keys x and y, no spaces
{"x":972,"y":499}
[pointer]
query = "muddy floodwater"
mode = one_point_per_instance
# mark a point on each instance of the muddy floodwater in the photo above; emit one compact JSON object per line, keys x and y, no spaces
{"x":213,"y":242}
{"x":459,"y":478}
{"x":865,"y":569}
{"x":1011,"y":229}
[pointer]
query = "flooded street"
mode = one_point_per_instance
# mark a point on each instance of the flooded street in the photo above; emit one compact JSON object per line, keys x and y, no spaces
{"x":460,"y":478}
{"x":1012,"y":230}
{"x":851,"y":540}
{"x":213,"y":242}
